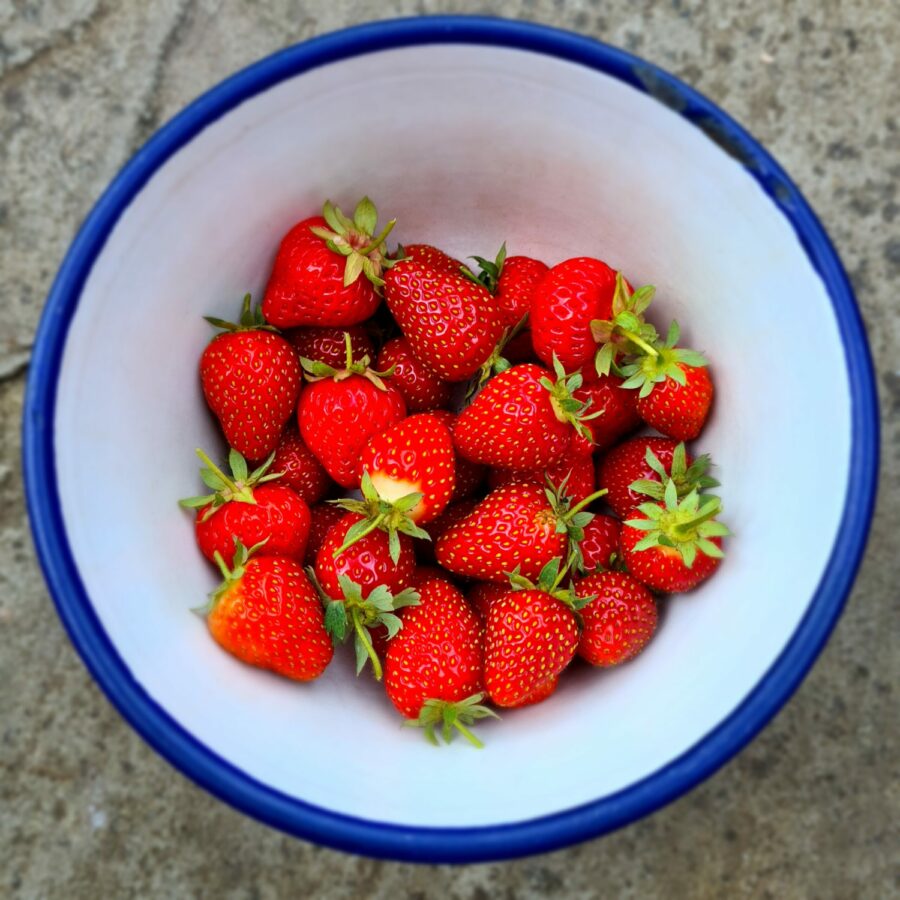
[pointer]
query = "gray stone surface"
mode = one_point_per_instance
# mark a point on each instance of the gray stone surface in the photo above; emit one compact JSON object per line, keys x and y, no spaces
{"x":811,"y":809}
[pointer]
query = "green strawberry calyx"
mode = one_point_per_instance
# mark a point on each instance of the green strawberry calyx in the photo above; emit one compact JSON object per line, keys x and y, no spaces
{"x":571,"y":520}
{"x":626,"y":332}
{"x":551,"y":581}
{"x":490,"y":273}
{"x":230,"y":574}
{"x":359,"y":615}
{"x":565,"y":406}
{"x":356,"y":240}
{"x":645,"y":371}
{"x":449,"y":716}
{"x":251,"y":319}
{"x":316,"y":370}
{"x":496,"y":362}
{"x":392,"y":517}
{"x":686,"y":477}
{"x":685,"y":525}
{"x":237,"y":488}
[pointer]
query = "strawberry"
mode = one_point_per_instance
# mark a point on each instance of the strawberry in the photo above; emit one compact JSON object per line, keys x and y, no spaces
{"x":618,"y":622}
{"x":329,"y":345}
{"x":433,"y":668}
{"x":512,"y":280}
{"x":267,"y":614}
{"x":600,"y":543}
{"x":246,"y":508}
{"x":674,"y":544}
{"x":469,"y":475}
{"x":421,"y":388}
{"x":520,"y":526}
{"x":341,"y":410}
{"x":370,"y":615}
{"x":541,"y":692}
{"x":316,"y":276}
{"x":518,"y":349}
{"x":407,"y":479}
{"x":531,"y":635}
{"x":483,"y":593}
{"x":452,"y":324}
{"x":567,"y":299}
{"x":426,"y":255}
{"x":676,"y":391}
{"x":367,"y":563}
{"x":521,"y":419}
{"x":251,"y":380}
{"x":644,"y":460}
{"x":454,"y":513}
{"x":322,"y":517}
{"x":619,"y":411}
{"x":299,"y":468}
{"x":574,"y":471}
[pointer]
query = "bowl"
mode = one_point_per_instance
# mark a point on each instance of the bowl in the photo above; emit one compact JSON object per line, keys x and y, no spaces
{"x":470,"y":131}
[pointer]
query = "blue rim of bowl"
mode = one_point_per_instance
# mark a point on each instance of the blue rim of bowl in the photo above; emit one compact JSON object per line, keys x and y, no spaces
{"x":384,"y":839}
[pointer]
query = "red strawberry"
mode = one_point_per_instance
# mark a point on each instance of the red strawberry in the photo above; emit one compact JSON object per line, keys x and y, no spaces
{"x":600,"y":543}
{"x":341,"y":411}
{"x":469,"y":475}
{"x":648,"y":460}
{"x":316,"y":276}
{"x":451,"y":323}
{"x":512,"y":280}
{"x":454,"y":513}
{"x":520,"y":419}
{"x":530,"y":637}
{"x":618,"y":621}
{"x":421,"y":388}
{"x":267,"y":614}
{"x":673,"y":545}
{"x":482,"y":595}
{"x":433,"y":670}
{"x":322,"y":517}
{"x":568,"y":298}
{"x":329,"y":345}
{"x":619,"y":406}
{"x":676,"y":391}
{"x":245,"y":508}
{"x":367,"y":563}
{"x":574,"y":472}
{"x":299,"y":468}
{"x":251,"y":380}
{"x":430,"y":256}
{"x":520,"y":526}
{"x":518,"y":349}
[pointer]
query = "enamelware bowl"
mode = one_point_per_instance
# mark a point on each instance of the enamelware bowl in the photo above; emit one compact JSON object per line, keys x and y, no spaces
{"x":470,"y":131}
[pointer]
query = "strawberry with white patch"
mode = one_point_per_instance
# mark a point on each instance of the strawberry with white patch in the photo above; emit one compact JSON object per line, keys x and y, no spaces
{"x":407,"y":476}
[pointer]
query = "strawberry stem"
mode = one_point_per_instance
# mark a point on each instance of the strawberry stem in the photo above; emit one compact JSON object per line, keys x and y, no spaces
{"x":683,"y":529}
{"x":362,"y":635}
{"x":380,"y":239}
{"x":648,"y":349}
{"x":220,"y":562}
{"x":587,"y":501}
{"x":211,"y":465}
{"x":467,"y":734}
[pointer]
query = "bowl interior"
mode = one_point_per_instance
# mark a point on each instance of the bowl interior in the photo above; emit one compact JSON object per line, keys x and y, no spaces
{"x":558,"y":160}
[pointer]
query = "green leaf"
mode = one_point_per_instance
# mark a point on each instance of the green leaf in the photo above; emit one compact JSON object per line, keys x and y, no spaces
{"x":394,"y":546}
{"x":238,"y":465}
{"x":407,"y":597}
{"x":688,"y":551}
{"x":407,"y":526}
{"x":603,"y":359}
{"x":673,"y":334}
{"x":709,"y":548}
{"x":367,"y":488}
{"x":645,"y":543}
{"x":691,"y":358}
{"x":392,"y":623}
{"x":677,"y":375}
{"x":354,"y":533}
{"x":350,"y":589}
{"x":642,"y":524}
{"x":671,"y":494}
{"x":362,"y":653}
{"x":353,"y":268}
{"x":336,"y":620}
{"x":365,"y":216}
{"x":211,"y":480}
{"x":405,"y":504}
{"x":713,"y":529}
{"x":195,"y":502}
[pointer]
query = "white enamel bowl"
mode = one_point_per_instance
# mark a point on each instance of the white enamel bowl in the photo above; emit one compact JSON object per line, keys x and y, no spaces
{"x":470,"y":132}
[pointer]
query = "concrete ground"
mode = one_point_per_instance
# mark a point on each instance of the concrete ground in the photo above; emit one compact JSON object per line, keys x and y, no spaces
{"x":811,"y":809}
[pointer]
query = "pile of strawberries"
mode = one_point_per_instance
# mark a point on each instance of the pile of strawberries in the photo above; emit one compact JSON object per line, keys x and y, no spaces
{"x":472,"y":566}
